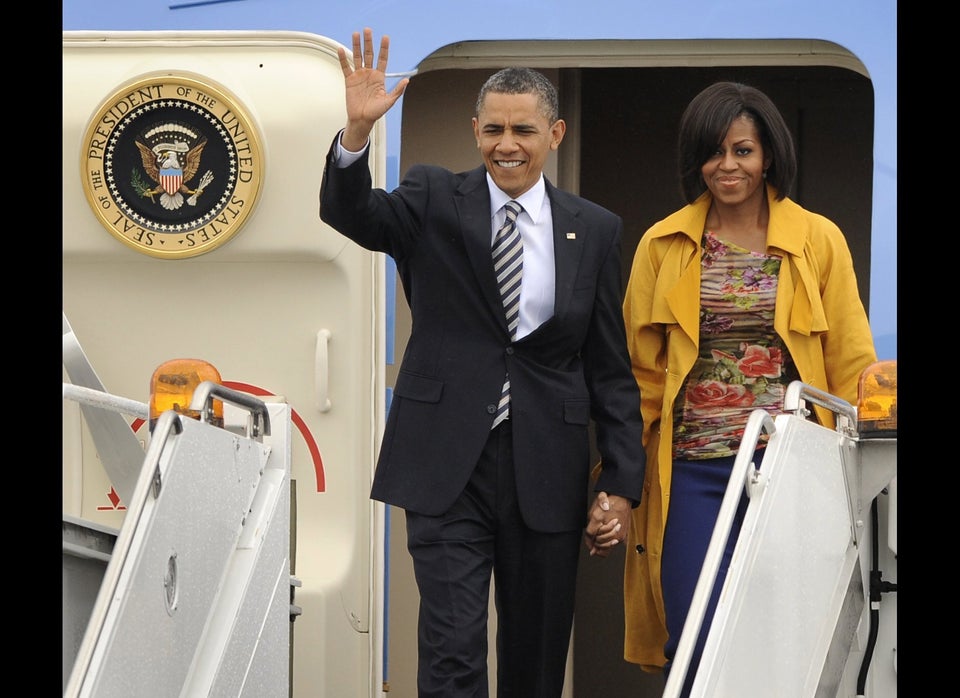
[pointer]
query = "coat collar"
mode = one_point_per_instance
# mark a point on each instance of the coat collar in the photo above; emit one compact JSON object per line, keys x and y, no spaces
{"x":786,"y":229}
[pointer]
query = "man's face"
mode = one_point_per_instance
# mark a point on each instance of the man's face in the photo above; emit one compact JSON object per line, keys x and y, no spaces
{"x":514,"y":138}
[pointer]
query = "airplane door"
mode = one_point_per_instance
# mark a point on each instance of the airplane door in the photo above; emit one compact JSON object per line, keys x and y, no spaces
{"x":192,"y":164}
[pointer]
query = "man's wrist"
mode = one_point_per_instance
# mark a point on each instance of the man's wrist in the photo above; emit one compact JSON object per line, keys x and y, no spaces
{"x":354,"y":140}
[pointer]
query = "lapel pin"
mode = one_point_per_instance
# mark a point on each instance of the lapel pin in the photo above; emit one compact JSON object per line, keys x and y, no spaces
{"x":571,"y":236}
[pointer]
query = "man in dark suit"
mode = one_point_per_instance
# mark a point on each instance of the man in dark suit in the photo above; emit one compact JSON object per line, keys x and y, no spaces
{"x":486,"y":495}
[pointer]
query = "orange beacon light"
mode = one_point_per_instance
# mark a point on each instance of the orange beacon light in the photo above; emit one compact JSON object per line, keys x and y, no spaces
{"x":172,"y":386}
{"x":877,"y":402}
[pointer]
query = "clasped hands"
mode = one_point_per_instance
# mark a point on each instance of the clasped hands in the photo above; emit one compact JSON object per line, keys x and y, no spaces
{"x":607,"y":523}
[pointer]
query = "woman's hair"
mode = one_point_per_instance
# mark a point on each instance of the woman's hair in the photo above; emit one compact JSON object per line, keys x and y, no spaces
{"x":523,"y":81}
{"x":705,"y":123}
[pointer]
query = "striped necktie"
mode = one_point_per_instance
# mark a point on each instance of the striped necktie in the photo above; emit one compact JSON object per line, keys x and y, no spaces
{"x":508,"y":266}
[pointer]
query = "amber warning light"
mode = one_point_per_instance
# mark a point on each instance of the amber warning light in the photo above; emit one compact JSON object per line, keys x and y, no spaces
{"x":172,"y":386}
{"x":877,"y":403}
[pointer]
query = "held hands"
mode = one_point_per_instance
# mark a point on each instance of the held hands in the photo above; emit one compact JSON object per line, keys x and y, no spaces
{"x":366,"y":94}
{"x":607,"y":524}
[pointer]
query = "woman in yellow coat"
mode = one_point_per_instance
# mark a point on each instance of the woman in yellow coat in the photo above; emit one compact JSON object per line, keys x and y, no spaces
{"x":729,"y":299}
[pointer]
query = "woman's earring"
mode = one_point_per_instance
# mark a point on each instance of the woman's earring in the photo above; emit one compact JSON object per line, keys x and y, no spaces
{"x":764,"y":174}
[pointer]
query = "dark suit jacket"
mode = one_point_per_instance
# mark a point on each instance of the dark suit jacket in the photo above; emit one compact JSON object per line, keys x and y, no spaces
{"x":574,"y":367}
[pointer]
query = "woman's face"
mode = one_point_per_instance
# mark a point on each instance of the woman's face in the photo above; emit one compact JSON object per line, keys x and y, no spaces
{"x":734,"y":174}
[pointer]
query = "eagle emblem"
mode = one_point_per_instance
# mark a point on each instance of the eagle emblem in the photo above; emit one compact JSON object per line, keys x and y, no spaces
{"x":172,"y":163}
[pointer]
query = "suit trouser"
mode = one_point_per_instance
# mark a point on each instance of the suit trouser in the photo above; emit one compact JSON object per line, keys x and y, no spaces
{"x":453,"y":557}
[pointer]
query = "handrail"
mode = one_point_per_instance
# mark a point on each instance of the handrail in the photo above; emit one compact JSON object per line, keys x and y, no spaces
{"x":106,"y":401}
{"x":258,"y":419}
{"x":118,"y":447}
{"x":759,"y":420}
{"x":794,"y":400}
{"x":322,"y":370}
{"x":148,"y":483}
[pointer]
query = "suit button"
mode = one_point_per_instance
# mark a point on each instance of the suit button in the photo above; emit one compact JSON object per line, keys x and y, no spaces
{"x":509,"y":351}
{"x":491,"y":409}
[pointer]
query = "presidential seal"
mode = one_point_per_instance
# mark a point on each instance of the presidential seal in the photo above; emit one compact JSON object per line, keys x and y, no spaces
{"x":172,"y":165}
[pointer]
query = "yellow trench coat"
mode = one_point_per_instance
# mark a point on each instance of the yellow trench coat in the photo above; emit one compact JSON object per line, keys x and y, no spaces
{"x":819,"y":316}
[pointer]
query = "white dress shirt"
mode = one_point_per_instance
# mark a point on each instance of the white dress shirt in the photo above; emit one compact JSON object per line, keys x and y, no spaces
{"x":536,"y":230}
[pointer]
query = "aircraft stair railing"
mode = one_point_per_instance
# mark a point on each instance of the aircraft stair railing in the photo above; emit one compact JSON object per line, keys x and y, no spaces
{"x":194,"y":593}
{"x":195,"y":599}
{"x":793,"y":598}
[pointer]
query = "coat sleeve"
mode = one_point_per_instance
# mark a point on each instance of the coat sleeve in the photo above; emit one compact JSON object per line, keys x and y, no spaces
{"x":371,"y":217}
{"x":848,"y":346}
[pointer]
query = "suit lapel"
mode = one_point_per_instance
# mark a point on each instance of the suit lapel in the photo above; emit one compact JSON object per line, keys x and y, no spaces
{"x":472,"y":201}
{"x":569,"y":236}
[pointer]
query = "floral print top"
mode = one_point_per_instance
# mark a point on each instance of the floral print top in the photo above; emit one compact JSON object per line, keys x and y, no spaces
{"x":743,"y":364}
